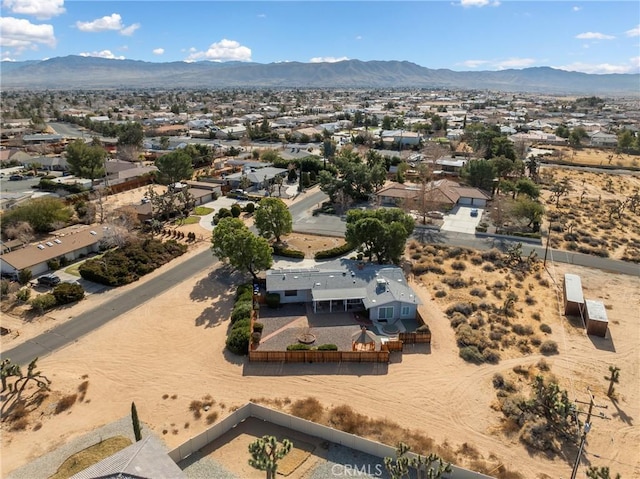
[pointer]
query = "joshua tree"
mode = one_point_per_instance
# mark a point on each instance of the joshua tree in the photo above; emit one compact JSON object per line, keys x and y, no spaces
{"x":602,"y":473}
{"x":266,"y":452}
{"x":427,"y":467}
{"x":614,"y":379}
{"x":10,"y":369}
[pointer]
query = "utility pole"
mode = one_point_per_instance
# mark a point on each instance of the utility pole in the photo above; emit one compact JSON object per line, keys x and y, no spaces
{"x":587,"y":428}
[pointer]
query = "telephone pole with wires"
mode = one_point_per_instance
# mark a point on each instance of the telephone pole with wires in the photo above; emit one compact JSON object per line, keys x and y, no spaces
{"x":587,"y":428}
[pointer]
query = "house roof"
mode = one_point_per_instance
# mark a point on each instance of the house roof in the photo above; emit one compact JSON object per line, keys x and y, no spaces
{"x":143,"y":459}
{"x":259,"y":175}
{"x":59,"y":243}
{"x":376,"y":285}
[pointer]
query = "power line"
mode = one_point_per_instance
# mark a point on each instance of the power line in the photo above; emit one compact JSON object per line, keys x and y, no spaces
{"x":587,"y":428}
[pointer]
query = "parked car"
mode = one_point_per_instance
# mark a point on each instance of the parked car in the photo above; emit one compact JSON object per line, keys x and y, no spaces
{"x":16,"y":178}
{"x":474,"y":212}
{"x":49,"y":280}
{"x":10,"y":275}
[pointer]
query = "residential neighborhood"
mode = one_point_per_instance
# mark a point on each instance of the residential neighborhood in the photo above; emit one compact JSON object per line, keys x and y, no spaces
{"x":331,"y":264}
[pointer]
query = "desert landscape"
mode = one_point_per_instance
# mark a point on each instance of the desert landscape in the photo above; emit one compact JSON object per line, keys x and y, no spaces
{"x":169,"y":353}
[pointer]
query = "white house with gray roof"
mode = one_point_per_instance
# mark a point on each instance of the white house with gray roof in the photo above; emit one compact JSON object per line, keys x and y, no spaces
{"x":382,"y":290}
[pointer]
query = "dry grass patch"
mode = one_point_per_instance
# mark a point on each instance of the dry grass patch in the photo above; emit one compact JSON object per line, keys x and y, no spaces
{"x":65,"y":403}
{"x":492,"y":299}
{"x":299,"y":453}
{"x":90,"y":456}
{"x":599,"y":214}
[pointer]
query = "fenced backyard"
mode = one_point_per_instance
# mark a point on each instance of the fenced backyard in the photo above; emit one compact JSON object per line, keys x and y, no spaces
{"x":314,"y":356}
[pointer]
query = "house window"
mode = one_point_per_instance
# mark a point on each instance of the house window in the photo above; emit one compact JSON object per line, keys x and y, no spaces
{"x":291,"y":292}
{"x":385,"y":312}
{"x":404,"y":312}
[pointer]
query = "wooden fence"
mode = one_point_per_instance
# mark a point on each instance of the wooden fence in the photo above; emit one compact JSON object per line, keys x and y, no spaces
{"x":394,"y":346}
{"x":320,"y":356}
{"x":131,"y":184}
{"x":415,"y":337}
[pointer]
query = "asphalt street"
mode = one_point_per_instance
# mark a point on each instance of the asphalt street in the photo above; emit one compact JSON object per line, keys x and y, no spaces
{"x":86,"y":322}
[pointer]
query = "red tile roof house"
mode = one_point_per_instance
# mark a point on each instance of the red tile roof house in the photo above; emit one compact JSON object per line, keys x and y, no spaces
{"x":70,"y":243}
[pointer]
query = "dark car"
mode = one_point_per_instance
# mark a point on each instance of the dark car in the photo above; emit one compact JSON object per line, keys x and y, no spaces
{"x":16,"y":178}
{"x":49,"y":280}
{"x":474,"y":212}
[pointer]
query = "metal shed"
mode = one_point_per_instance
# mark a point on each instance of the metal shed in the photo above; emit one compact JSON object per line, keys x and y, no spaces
{"x":573,"y":297}
{"x":596,"y":318}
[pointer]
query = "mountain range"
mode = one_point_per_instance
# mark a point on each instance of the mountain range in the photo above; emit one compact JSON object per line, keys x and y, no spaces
{"x":77,"y":72}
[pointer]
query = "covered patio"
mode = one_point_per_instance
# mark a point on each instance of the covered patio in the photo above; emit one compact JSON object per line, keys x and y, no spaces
{"x":338,"y":300}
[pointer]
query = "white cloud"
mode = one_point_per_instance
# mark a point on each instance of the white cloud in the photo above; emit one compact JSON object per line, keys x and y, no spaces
{"x":479,"y":3}
{"x":158,"y":51}
{"x":594,"y":36}
{"x":224,"y":50}
{"x":474,"y":63}
{"x":128,"y":31}
{"x":41,"y":9}
{"x":634,"y":32}
{"x":576,"y":9}
{"x":107,"y":23}
{"x":20,"y":34}
{"x":327,"y":59}
{"x":515,"y":63}
{"x":102,"y":54}
{"x":601,"y":67}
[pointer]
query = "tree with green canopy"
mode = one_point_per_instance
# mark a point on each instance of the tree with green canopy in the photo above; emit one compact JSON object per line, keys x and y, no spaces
{"x":86,"y":160}
{"x":174,"y":167}
{"x":233,"y":242}
{"x":273,"y":218}
{"x":380,"y":233}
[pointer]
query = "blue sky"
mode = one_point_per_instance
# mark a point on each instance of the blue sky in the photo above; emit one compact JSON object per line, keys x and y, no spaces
{"x":471,"y":35}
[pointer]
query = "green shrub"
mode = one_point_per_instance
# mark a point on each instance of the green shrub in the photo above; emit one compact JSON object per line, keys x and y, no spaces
{"x":441,"y":293}
{"x":327,"y":347}
{"x":53,"y":264}
{"x":465,"y":309}
{"x":24,"y":276}
{"x":491,"y":356}
{"x":522,"y":330}
{"x":335,"y":252}
{"x":549,"y":347}
{"x":455,"y":282}
{"x":241,"y":323}
{"x":545,"y":328}
{"x":43,"y":302}
{"x":241,"y":311}
{"x":458,"y":266}
{"x":298,"y":347}
{"x":258,"y":327}
{"x":471,"y":354}
{"x":273,"y":300}
{"x":243,"y":289}
{"x":68,"y":293}
{"x":249,"y":208}
{"x":280,"y":250}
{"x":238,"y":340}
{"x":23,"y":295}
{"x":236,"y":210}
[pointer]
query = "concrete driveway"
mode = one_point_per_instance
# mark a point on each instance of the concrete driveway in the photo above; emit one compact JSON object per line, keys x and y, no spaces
{"x":459,"y":220}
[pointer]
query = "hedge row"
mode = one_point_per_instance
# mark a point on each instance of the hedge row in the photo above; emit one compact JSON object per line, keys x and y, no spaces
{"x":307,"y":347}
{"x":280,"y":250}
{"x":335,"y":252}
{"x":240,"y":333}
{"x":127,"y":264}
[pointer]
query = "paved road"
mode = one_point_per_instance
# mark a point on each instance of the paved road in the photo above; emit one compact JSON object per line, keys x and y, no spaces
{"x":84,"y":323}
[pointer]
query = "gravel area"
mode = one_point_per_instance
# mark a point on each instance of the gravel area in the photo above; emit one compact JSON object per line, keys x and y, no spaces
{"x":346,"y":462}
{"x":338,"y":335}
{"x":274,"y":319}
{"x":197,"y":466}
{"x":48,"y":464}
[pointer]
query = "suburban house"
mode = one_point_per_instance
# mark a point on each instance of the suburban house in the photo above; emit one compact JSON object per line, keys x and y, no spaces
{"x":255,"y":177}
{"x":70,"y":243}
{"x":382,"y":290}
{"x":438,"y":194}
{"x":600,"y":138}
{"x":449,"y":165}
{"x":402,"y":137}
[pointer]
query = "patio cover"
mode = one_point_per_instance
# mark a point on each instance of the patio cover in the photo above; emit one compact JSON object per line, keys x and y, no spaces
{"x":338,"y":294}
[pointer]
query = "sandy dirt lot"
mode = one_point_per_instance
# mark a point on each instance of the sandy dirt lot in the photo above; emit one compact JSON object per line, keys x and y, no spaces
{"x":170,"y":351}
